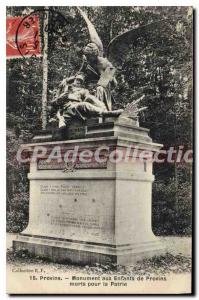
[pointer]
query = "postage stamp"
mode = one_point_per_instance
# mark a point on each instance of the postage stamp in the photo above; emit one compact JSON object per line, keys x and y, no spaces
{"x":25,"y":38}
{"x":22,"y":36}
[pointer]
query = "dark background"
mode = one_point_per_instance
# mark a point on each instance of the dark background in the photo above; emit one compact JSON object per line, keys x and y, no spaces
{"x":158,"y":65}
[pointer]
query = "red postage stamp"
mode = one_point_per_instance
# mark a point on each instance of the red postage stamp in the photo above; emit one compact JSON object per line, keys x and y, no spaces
{"x":22,"y":37}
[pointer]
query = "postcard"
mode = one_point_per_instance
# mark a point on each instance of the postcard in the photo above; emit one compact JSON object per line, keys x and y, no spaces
{"x":99,"y":149}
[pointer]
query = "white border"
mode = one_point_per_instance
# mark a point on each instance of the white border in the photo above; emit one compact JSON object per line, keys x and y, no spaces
{"x":102,"y":3}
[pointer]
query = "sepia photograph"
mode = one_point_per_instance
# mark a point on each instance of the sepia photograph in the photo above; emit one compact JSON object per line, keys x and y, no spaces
{"x":99,"y":128}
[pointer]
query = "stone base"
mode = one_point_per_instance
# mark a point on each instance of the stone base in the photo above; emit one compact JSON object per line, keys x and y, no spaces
{"x":93,"y":211}
{"x":82,"y":253}
{"x":94,"y":127}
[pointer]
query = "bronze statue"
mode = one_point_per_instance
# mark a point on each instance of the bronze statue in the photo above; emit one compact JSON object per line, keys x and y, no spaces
{"x":99,"y":71}
{"x":99,"y":74}
{"x":74,"y":101}
{"x":88,"y":93}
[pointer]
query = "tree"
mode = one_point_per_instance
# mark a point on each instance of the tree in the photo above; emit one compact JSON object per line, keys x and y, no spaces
{"x":45,"y":72}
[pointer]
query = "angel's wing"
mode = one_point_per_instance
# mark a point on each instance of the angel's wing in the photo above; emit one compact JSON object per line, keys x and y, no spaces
{"x":92,"y":32}
{"x":119,"y":46}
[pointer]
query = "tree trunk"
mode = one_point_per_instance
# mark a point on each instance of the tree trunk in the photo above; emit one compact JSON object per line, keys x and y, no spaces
{"x":45,"y":72}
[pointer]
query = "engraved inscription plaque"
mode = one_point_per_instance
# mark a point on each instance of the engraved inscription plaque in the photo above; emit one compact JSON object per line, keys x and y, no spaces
{"x":43,"y":164}
{"x":74,"y":210}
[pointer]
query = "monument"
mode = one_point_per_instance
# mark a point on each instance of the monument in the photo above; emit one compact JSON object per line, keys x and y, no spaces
{"x":90,"y":188}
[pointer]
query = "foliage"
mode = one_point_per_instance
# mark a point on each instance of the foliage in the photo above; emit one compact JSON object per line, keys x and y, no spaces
{"x":17,"y":184}
{"x":17,"y":215}
{"x":158,"y":66}
{"x":171,"y":205}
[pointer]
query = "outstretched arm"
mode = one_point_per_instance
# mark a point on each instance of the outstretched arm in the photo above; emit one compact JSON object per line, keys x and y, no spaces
{"x":92,"y":32}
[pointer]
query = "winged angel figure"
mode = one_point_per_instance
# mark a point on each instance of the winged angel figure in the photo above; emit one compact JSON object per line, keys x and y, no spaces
{"x":88,"y":93}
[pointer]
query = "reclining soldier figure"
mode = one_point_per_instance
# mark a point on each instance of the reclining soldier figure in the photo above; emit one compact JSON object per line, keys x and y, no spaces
{"x":74,"y":101}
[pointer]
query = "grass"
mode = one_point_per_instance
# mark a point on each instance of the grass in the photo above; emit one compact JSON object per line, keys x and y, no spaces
{"x":157,"y":265}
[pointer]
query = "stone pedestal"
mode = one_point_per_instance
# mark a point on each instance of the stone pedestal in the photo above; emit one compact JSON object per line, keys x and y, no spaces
{"x":90,"y":211}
